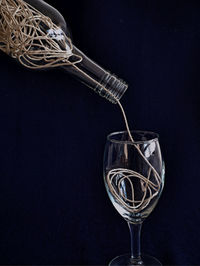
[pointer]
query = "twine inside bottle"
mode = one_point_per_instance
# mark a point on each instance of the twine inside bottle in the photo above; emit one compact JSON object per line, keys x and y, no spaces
{"x":32,"y":38}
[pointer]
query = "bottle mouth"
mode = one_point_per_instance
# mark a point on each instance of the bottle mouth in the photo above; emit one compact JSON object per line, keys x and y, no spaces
{"x":111,"y":88}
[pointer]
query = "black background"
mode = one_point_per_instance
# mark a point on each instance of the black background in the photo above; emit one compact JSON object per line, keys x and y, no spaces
{"x":53,"y":205}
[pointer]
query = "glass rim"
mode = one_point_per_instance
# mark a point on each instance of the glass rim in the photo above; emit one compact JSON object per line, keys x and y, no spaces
{"x":153,"y":139}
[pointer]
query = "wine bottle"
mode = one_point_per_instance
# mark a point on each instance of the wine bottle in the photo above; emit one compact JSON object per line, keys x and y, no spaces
{"x":80,"y":66}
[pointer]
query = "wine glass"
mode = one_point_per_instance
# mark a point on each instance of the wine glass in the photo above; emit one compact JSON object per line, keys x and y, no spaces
{"x":134,"y":179}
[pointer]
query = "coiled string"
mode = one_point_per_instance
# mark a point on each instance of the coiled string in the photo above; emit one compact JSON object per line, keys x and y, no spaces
{"x":149,"y":186}
{"x":36,"y":42}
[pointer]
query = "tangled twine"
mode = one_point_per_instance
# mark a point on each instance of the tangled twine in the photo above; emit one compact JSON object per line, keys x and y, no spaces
{"x":36,"y":42}
{"x":32,"y":38}
{"x":121,"y":180}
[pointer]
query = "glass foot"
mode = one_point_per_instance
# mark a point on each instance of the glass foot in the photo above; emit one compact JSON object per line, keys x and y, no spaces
{"x":126,"y":260}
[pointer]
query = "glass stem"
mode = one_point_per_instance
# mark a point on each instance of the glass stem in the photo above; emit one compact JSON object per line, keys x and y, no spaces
{"x":135,"y":232}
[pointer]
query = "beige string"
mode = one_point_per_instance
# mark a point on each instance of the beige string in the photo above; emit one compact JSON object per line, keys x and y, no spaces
{"x":119,"y":178}
{"x":32,"y":38}
{"x":36,"y":42}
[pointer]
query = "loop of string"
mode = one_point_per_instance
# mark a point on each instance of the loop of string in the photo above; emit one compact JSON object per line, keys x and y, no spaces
{"x":36,"y":42}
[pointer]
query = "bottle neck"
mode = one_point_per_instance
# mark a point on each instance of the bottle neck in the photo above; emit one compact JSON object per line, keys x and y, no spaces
{"x":95,"y":77}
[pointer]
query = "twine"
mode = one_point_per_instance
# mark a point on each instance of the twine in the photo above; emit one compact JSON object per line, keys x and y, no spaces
{"x":32,"y":38}
{"x":36,"y":42}
{"x":125,"y":177}
{"x":120,"y":180}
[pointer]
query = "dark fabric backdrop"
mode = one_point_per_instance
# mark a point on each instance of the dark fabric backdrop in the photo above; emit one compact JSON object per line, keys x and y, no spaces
{"x":53,"y":205}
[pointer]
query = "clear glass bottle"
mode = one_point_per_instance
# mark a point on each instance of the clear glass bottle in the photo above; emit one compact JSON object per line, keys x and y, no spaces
{"x":101,"y":81}
{"x":87,"y":71}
